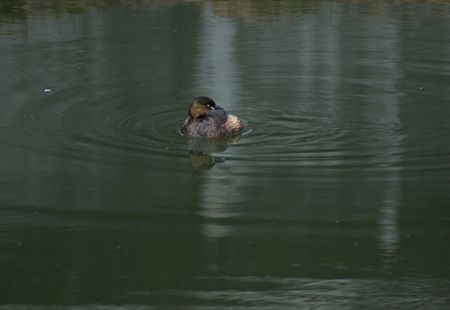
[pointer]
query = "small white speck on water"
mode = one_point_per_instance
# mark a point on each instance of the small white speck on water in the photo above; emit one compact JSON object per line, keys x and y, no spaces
{"x":47,"y":90}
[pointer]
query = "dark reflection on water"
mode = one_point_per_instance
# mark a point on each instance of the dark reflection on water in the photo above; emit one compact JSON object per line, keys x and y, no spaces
{"x":202,"y":151}
{"x":337,"y":195}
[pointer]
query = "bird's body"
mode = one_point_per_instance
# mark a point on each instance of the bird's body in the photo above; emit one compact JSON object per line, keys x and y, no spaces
{"x":209,"y":121}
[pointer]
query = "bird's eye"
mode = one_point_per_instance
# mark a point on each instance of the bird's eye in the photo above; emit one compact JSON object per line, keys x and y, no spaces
{"x":208,"y":105}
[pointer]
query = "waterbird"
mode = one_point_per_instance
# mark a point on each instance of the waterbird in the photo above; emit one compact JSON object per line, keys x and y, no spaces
{"x":208,"y":120}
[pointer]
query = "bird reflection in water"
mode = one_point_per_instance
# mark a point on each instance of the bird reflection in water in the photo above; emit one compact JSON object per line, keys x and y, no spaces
{"x":201,"y":150}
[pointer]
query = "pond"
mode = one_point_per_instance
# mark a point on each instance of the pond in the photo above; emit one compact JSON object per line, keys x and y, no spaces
{"x":336,"y":196}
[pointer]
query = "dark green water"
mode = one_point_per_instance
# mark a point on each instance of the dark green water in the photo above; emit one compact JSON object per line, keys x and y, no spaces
{"x":336,"y":197}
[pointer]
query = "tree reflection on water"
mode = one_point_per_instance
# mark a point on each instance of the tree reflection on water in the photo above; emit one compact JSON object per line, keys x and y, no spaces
{"x":12,"y":10}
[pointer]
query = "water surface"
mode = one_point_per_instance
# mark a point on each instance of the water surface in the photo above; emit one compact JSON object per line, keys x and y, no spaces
{"x":336,"y":196}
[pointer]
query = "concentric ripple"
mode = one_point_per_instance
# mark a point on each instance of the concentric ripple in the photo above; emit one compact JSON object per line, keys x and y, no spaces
{"x":107,"y":129}
{"x":145,"y":130}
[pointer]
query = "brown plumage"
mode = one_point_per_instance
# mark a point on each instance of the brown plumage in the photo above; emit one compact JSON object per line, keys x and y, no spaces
{"x":208,"y":120}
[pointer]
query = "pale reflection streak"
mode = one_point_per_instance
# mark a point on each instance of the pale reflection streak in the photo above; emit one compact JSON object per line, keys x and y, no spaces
{"x":385,"y":50}
{"x":216,"y":77}
{"x":306,"y":49}
{"x":383,"y":79}
{"x":315,"y":39}
{"x":320,"y":80}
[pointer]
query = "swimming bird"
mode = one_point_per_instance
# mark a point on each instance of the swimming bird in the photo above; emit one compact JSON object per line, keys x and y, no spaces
{"x":208,"y":120}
